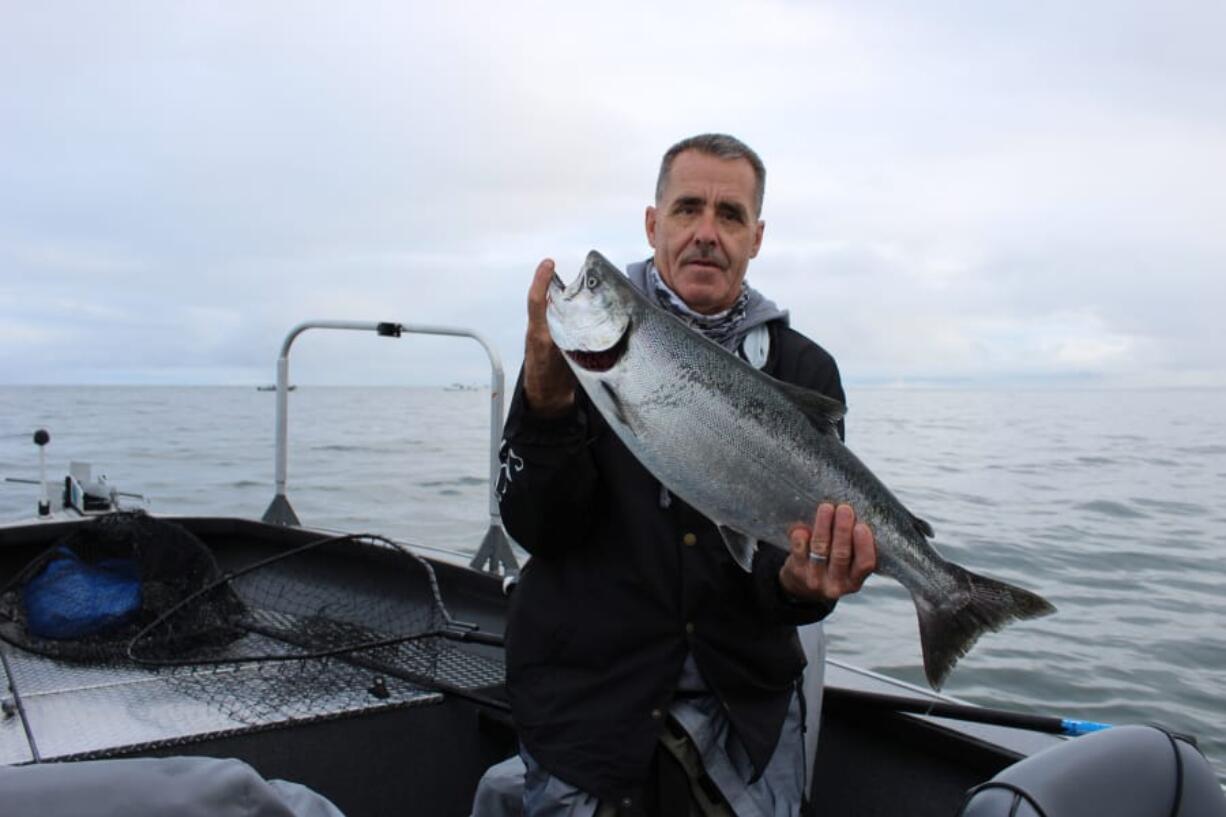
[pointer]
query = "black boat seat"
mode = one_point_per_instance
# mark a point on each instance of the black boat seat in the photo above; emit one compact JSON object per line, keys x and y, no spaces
{"x":1125,"y":771}
{"x":154,"y":787}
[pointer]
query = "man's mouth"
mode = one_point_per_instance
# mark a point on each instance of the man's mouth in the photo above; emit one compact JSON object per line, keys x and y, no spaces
{"x":703,"y":263}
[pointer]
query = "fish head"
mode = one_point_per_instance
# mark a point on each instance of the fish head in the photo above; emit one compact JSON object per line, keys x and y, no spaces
{"x":590,"y":319}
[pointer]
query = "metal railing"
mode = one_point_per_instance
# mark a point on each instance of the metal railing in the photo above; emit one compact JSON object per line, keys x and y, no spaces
{"x":494,"y":554}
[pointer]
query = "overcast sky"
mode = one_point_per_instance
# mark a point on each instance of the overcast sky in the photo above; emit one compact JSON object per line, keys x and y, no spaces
{"x":957,"y":192}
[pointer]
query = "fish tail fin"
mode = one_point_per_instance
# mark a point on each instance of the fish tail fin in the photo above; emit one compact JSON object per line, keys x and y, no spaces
{"x":949,"y":629}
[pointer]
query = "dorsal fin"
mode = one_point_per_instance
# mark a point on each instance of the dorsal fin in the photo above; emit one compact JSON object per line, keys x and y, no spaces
{"x":823,"y":412}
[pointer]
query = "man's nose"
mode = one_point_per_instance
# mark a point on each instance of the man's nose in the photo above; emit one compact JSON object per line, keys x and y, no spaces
{"x":705,"y":232}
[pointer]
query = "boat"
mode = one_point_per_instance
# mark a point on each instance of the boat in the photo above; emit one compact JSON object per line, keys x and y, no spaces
{"x":407,"y":712}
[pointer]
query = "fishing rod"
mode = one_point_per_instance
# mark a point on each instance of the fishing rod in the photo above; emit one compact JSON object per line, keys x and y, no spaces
{"x":1069,"y":727}
{"x":966,"y":712}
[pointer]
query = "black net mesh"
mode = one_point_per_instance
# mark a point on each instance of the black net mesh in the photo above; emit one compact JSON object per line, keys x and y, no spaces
{"x":87,"y":596}
{"x":332,"y":624}
{"x":332,"y":597}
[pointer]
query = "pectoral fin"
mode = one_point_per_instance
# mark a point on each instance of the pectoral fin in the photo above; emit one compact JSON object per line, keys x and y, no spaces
{"x":618,"y":409}
{"x":740,"y":546}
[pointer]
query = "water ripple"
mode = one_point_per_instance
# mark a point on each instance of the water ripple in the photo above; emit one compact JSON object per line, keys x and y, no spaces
{"x":1110,"y":508}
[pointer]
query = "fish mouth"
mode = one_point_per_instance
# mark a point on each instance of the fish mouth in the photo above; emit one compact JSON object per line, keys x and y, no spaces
{"x":603,"y":360}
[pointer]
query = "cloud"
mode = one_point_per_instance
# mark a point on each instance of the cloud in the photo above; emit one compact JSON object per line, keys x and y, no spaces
{"x":963,"y":192}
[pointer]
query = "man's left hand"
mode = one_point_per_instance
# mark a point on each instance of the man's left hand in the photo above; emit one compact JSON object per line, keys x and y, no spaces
{"x":831,"y":559}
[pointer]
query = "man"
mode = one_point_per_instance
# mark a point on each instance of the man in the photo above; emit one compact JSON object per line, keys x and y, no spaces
{"x":647,"y":671}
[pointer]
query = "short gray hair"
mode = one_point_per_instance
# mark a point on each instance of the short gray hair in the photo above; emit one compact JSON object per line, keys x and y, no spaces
{"x":722,"y":146}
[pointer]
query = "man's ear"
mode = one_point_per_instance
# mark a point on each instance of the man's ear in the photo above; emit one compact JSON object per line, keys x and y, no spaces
{"x":649,"y":221}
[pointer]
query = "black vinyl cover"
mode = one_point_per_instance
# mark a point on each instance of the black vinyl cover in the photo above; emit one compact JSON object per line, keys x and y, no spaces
{"x":1125,"y":771}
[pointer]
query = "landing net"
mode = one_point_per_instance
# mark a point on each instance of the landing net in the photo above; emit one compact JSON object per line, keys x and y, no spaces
{"x":289,"y":632}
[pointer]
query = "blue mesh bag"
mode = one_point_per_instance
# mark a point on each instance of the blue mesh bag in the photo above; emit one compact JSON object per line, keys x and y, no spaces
{"x":72,"y":598}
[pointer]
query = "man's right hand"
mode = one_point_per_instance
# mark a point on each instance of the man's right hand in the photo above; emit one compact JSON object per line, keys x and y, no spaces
{"x":549,"y":384}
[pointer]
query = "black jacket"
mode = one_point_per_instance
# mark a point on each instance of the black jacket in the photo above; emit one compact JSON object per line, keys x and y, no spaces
{"x":620,"y":589}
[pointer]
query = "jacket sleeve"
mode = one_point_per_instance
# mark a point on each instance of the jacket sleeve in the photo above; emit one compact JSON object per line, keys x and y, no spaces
{"x":547,"y":480}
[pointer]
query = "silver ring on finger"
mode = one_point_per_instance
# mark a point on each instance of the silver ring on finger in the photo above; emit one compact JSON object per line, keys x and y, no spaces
{"x":817,"y":558}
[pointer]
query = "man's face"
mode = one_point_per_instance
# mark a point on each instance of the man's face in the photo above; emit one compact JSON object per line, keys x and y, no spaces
{"x":705,"y":228}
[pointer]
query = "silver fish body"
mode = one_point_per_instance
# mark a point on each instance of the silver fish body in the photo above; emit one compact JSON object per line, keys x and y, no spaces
{"x":756,"y":455}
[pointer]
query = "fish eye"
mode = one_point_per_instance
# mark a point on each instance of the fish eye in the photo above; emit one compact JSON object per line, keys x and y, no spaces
{"x":592,"y":282}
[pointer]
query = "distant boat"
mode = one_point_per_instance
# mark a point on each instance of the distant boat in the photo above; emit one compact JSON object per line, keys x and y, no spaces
{"x":272,"y":388}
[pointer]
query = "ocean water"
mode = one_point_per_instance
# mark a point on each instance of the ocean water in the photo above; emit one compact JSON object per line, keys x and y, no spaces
{"x":1112,"y":504}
